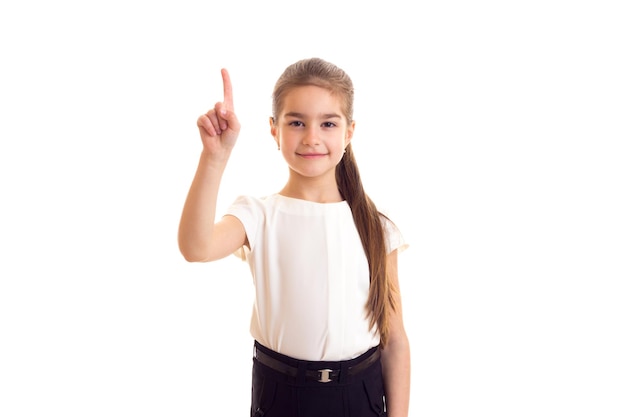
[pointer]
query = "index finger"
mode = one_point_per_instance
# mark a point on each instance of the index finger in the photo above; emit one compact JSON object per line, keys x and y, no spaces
{"x":228,"y":90}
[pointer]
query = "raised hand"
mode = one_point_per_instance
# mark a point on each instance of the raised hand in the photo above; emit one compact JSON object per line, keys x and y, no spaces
{"x":219,"y":127}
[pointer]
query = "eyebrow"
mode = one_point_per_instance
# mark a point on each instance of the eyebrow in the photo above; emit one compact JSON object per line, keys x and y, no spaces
{"x":302,"y":116}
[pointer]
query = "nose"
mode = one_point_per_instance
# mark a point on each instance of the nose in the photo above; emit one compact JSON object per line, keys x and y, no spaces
{"x":311,"y":137}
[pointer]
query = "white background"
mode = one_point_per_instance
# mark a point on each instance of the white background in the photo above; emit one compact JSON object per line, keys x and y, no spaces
{"x":491,"y":131}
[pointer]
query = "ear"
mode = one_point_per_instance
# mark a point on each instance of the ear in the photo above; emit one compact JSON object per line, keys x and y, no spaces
{"x":273,"y":130}
{"x":349,"y":133}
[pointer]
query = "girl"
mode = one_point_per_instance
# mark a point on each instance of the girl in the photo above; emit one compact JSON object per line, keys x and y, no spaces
{"x":327,"y":318}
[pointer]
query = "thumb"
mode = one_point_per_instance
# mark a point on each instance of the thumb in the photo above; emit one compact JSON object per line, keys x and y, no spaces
{"x":230,"y":117}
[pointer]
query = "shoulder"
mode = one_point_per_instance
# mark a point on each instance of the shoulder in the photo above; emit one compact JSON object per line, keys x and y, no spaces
{"x":394,"y":240}
{"x":248,"y":202}
{"x":252,"y":211}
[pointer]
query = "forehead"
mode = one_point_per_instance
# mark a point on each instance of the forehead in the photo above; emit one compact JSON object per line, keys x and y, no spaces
{"x":312,"y":99}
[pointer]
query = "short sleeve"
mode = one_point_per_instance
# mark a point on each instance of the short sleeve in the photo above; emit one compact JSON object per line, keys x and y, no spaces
{"x":245,"y":209}
{"x":393,"y":237}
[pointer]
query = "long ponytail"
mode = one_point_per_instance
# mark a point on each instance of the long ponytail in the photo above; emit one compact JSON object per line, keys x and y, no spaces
{"x":368,"y":222}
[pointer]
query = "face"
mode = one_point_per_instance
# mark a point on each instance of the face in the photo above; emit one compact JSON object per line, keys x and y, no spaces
{"x":312,"y":132}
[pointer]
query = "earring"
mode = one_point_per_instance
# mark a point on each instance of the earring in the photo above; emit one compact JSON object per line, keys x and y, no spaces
{"x":279,"y":147}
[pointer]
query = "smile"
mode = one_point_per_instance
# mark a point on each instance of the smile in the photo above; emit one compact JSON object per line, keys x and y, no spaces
{"x":311,"y":155}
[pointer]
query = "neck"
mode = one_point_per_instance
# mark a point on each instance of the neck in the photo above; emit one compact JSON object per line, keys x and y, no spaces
{"x":312,"y":189}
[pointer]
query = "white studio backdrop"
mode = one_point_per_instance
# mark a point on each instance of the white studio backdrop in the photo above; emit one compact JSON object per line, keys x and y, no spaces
{"x":491,"y":132}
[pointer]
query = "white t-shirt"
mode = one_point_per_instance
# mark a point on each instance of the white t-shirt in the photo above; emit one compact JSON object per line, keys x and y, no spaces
{"x":311,"y":276}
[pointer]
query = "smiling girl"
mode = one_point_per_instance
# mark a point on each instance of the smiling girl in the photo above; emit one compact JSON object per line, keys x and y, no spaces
{"x":327,"y":317}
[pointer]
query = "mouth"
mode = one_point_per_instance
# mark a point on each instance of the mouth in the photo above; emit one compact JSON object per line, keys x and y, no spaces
{"x":311,"y":155}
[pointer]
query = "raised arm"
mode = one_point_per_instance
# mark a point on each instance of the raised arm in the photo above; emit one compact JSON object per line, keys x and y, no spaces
{"x":200,"y":239}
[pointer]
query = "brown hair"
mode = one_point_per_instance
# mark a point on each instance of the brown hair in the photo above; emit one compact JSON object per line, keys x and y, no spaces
{"x":320,"y":73}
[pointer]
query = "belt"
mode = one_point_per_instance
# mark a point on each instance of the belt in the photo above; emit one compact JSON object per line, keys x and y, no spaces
{"x":318,"y":375}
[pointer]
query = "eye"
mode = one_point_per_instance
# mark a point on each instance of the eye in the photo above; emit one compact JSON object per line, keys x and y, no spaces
{"x":296,"y":123}
{"x":328,"y":124}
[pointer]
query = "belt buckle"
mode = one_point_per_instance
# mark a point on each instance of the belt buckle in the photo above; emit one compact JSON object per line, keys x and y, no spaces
{"x":324,"y":375}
